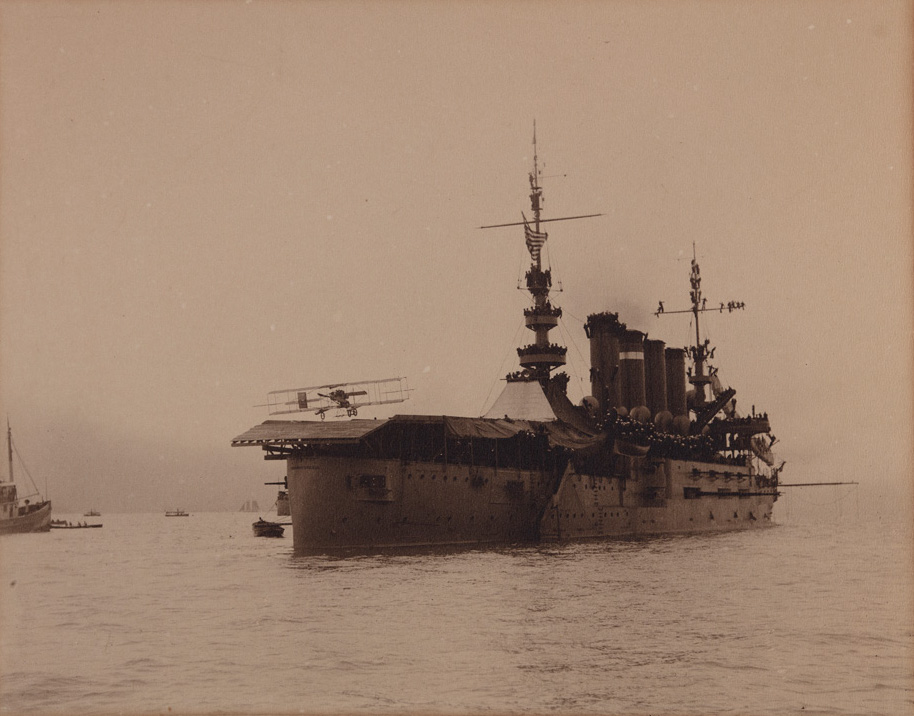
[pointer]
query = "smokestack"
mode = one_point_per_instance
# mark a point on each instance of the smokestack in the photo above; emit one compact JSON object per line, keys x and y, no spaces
{"x":631,"y":368}
{"x":676,"y":381}
{"x":655,"y":376}
{"x":603,"y":330}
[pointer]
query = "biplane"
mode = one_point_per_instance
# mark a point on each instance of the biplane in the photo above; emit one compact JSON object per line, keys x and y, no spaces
{"x":346,"y":398}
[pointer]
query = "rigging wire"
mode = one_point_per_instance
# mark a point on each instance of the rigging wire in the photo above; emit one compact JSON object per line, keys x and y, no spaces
{"x":847,"y":492}
{"x":25,"y":467}
{"x":569,"y":338}
{"x":836,"y":503}
{"x":566,"y":312}
{"x":501,"y":365}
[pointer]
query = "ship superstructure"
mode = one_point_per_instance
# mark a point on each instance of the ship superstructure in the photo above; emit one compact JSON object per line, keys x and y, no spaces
{"x":641,"y":455}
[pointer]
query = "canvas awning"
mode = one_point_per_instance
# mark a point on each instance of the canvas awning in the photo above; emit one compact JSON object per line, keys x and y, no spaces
{"x":522,"y":400}
{"x":559,"y":433}
{"x":285,"y":432}
{"x":302,"y":432}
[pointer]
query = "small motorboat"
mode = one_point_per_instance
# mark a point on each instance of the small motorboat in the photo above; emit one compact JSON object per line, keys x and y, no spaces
{"x":262,"y":528}
{"x":176,"y":513}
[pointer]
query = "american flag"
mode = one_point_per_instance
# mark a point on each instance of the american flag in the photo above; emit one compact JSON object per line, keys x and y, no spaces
{"x":535,"y":240}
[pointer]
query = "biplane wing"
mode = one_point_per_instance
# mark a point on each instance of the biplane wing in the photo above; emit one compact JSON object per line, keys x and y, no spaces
{"x":320,"y":399}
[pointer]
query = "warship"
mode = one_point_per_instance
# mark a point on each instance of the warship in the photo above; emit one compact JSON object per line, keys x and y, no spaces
{"x":656,"y":448}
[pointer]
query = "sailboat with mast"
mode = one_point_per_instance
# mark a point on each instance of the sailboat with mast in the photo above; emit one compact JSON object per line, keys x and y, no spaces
{"x":19,"y":514}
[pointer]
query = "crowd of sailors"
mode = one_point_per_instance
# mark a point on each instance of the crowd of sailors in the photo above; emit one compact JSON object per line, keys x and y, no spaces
{"x":669,"y":445}
{"x":729,"y":305}
{"x":65,"y":523}
{"x":548,"y":348}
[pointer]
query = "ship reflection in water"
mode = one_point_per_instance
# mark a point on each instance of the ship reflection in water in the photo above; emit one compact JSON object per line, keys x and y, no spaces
{"x":642,"y":455}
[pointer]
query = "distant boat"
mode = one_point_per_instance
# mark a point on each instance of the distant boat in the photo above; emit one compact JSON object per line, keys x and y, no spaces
{"x":27,"y":517}
{"x":282,"y":499}
{"x":262,"y":528}
{"x":176,"y":513}
{"x":92,"y":513}
{"x":282,"y":504}
{"x":250,"y":506}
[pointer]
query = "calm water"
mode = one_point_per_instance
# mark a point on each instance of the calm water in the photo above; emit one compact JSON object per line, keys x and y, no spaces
{"x":195,"y":614}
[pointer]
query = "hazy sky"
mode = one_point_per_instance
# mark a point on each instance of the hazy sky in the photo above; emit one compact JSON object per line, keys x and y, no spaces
{"x":201,"y":202}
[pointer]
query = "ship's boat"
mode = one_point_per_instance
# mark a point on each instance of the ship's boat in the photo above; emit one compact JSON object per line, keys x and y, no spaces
{"x":17,"y":514}
{"x":641,"y":455}
{"x":262,"y":528}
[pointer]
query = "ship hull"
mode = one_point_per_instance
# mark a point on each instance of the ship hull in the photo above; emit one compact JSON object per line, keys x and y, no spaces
{"x":343,"y":502}
{"x":673,"y":497}
{"x":38,"y":520}
{"x":418,"y":504}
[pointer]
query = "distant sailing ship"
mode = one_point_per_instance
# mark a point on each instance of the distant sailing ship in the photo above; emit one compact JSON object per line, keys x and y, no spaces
{"x":250,"y":506}
{"x":640,"y":455}
{"x":28,"y":516}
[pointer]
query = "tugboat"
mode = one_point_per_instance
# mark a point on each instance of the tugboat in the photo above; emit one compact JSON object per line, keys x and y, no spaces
{"x":641,"y":455}
{"x":15,"y":517}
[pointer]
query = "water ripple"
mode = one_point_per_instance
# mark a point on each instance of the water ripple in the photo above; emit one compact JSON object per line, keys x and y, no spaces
{"x":204,"y":617}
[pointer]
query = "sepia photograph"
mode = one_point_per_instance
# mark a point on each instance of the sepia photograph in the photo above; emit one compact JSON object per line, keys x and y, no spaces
{"x":404,"y":357}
